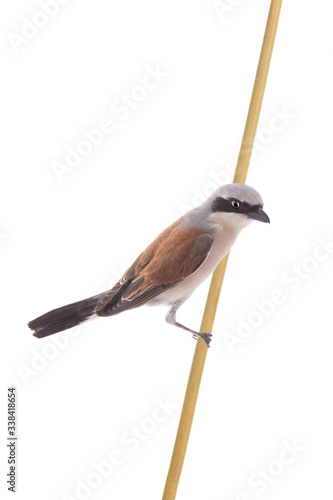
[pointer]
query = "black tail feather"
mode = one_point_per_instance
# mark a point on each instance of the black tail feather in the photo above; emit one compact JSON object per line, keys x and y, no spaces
{"x":64,"y":317}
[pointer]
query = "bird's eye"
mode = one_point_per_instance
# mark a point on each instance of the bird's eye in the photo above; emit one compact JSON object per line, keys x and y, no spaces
{"x":235,"y":204}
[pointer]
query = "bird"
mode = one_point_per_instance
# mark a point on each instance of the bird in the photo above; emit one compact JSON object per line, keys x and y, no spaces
{"x":169,"y":270}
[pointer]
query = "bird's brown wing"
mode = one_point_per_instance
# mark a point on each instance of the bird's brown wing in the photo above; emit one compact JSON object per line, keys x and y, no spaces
{"x":173,"y":256}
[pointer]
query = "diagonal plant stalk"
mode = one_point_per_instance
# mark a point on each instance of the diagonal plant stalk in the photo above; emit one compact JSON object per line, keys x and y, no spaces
{"x":207,"y":323}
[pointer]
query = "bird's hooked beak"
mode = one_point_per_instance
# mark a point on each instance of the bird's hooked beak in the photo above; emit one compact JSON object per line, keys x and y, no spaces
{"x":260,"y":216}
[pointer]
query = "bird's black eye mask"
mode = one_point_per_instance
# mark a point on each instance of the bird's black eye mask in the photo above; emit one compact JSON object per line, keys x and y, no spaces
{"x":234,"y":205}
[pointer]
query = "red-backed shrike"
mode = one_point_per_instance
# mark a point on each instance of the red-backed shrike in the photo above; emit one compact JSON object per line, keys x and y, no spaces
{"x":173,"y":265}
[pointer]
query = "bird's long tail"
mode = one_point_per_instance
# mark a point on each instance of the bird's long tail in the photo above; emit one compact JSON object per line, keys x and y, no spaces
{"x":64,"y":317}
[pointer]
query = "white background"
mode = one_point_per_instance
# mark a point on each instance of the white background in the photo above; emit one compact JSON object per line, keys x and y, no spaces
{"x":65,"y":241}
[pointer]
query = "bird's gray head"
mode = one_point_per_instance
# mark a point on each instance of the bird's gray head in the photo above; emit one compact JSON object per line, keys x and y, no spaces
{"x":236,"y":205}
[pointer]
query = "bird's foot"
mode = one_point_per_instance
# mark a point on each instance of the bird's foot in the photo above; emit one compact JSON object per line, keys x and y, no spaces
{"x":207,"y":337}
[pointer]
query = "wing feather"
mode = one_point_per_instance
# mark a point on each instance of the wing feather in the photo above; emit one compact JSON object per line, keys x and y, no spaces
{"x":173,"y":256}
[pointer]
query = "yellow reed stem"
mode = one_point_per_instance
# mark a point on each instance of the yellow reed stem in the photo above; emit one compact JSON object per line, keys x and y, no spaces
{"x":207,"y":323}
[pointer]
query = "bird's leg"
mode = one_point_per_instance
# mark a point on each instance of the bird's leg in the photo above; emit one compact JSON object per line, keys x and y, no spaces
{"x":207,"y":337}
{"x":171,"y":319}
